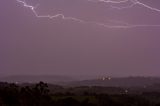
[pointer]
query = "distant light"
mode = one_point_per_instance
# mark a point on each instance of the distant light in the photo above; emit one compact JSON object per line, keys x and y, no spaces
{"x":109,"y":78}
{"x":106,"y":78}
{"x":126,"y":91}
{"x":103,"y":78}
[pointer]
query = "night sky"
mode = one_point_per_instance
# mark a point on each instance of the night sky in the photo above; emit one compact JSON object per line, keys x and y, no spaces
{"x":128,"y":44}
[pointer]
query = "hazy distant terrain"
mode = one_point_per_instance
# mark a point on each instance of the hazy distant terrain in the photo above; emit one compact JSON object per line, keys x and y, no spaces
{"x":29,"y":90}
{"x":43,"y":94}
{"x":84,"y":81}
{"x":120,"y":82}
{"x":36,"y":78}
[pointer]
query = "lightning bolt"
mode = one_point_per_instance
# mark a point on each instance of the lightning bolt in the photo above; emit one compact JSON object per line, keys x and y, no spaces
{"x":109,"y":1}
{"x":133,"y":3}
{"x":120,"y":23}
{"x":33,"y":9}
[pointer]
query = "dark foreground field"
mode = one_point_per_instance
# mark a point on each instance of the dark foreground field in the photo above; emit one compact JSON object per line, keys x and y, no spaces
{"x":42,"y":94}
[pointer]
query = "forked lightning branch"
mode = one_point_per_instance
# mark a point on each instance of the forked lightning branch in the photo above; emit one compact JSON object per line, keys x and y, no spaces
{"x":112,"y":2}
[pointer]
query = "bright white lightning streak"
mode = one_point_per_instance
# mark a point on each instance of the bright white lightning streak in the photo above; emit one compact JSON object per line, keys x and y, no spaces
{"x":109,"y":1}
{"x":151,"y":8}
{"x":133,"y":3}
{"x":48,"y":16}
{"x":125,"y":25}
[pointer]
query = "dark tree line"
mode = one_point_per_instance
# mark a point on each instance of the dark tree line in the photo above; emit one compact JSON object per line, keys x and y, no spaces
{"x":40,"y":95}
{"x":11,"y":94}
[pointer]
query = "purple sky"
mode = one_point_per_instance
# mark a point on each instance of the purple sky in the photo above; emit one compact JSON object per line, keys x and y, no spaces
{"x":32,"y":45}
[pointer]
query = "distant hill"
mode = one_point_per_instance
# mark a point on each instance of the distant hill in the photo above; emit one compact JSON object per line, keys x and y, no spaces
{"x":37,"y":78}
{"x":75,"y":81}
{"x":119,"y":82}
